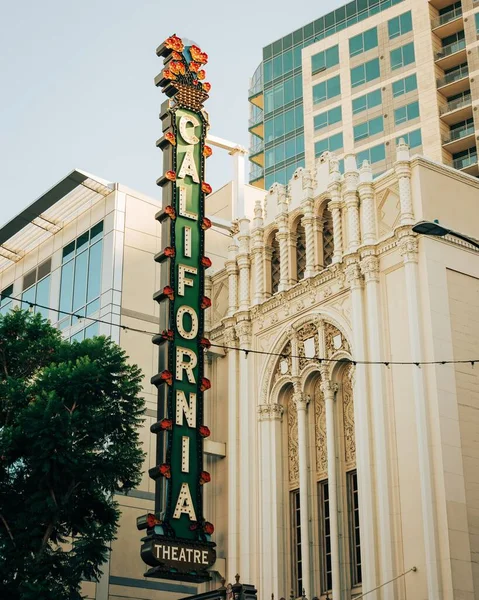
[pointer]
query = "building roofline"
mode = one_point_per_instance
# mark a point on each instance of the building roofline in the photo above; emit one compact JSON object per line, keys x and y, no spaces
{"x":46,"y":201}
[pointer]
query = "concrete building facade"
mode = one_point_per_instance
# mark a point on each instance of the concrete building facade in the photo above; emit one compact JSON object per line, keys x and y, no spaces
{"x":359,"y":79}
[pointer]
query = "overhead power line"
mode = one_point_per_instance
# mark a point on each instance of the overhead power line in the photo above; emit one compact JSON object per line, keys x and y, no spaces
{"x":317,"y":360}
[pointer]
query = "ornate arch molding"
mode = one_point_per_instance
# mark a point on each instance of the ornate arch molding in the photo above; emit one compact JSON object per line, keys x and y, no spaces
{"x":269,"y":389}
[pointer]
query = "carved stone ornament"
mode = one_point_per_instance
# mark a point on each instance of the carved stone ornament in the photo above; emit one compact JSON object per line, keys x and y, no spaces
{"x":353,"y":275}
{"x":320,"y":432}
{"x":270,"y":412}
{"x":348,"y":421}
{"x":293,"y":457}
{"x":370,"y":268}
{"x":408,"y":248}
{"x":335,"y":340}
{"x":283,"y":366}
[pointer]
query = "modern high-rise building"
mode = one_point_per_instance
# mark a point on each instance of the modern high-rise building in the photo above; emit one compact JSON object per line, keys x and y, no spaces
{"x":363,"y":76}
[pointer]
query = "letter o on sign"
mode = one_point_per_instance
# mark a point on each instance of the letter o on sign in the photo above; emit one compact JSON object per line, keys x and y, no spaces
{"x":193,"y":332}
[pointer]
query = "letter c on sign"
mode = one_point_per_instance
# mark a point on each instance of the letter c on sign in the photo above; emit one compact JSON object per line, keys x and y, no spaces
{"x":190,"y":138}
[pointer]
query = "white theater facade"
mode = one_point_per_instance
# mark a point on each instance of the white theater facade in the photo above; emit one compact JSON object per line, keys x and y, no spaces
{"x":341,"y":476}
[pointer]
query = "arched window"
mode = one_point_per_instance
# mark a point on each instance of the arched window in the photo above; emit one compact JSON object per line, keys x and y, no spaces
{"x":275,"y":270}
{"x":300,"y":252}
{"x":328,"y":239}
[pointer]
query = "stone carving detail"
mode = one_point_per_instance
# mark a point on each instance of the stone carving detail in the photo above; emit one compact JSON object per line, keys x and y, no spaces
{"x":270,"y":412}
{"x":293,"y":457}
{"x":408,"y":248}
{"x":283,"y":366}
{"x":320,"y":432}
{"x":335,"y":340}
{"x":348,"y":420}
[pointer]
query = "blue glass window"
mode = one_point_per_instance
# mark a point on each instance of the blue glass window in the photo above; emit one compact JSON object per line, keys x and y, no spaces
{"x":400,"y":57}
{"x":373,"y":155}
{"x":325,"y":59}
{"x":406,"y":113}
{"x":363,"y":42}
{"x":5,"y":300}
{"x":268,"y":130}
{"x":367,"y":101}
{"x":326,"y":90}
{"x":368,"y":128}
{"x":366,"y":72}
{"x":476,"y":17}
{"x":36,"y":288}
{"x":403,"y":86}
{"x":413,"y":139}
{"x":400,"y":25}
{"x":80,"y":286}
{"x":268,"y":71}
{"x":335,"y":142}
{"x":328,"y":118}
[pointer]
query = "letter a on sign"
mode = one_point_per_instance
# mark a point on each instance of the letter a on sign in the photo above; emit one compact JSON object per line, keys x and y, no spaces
{"x":184,"y":504}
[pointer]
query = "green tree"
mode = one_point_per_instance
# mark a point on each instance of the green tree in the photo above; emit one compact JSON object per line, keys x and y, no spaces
{"x":69,"y":418}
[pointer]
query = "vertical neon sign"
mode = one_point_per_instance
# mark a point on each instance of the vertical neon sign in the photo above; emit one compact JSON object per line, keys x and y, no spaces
{"x":178,"y":544}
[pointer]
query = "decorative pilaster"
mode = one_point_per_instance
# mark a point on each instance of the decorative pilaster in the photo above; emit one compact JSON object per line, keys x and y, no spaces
{"x":301,"y":407}
{"x":403,"y":172}
{"x":351,"y":202}
{"x":334,"y":188}
{"x":246,"y":449}
{"x":258,"y":253}
{"x":363,"y":430}
{"x":368,"y":212}
{"x":370,"y":270}
{"x":234,"y":522}
{"x":327,"y":388}
{"x":244,"y":265}
{"x":408,"y":248}
{"x":232,"y":270}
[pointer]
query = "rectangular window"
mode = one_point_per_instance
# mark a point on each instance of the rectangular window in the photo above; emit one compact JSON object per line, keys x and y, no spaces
{"x":325,"y":59}
{"x":406,"y":113}
{"x":325,"y":538}
{"x":355,"y":544}
{"x":413,"y":139}
{"x":36,"y":288}
{"x":335,"y":142}
{"x":363,"y":42}
{"x":403,"y":86}
{"x":326,"y":90}
{"x":400,"y":57}
{"x":400,"y":25}
{"x":367,"y":101}
{"x":366,"y":72}
{"x":296,"y":543}
{"x":368,"y":128}
{"x":80,"y":285}
{"x":327,"y":118}
{"x":373,"y":155}
{"x":5,"y":299}
{"x":476,"y":17}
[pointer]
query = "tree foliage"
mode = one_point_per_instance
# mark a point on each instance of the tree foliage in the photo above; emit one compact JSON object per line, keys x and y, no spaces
{"x":69,"y":417}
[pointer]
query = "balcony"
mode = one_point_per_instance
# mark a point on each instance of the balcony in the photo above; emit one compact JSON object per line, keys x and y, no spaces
{"x":455,"y":82}
{"x":256,"y":176}
{"x":256,"y":153}
{"x":457,"y":110}
{"x":459,"y":139}
{"x":448,"y":23}
{"x":439,"y":4}
{"x":451,"y":55}
{"x":467,"y":163}
{"x":256,"y":126}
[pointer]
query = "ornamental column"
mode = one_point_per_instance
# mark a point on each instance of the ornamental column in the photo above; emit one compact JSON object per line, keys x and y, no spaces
{"x":283,"y":238}
{"x":328,"y":391}
{"x":229,"y":339}
{"x":403,"y":172}
{"x":308,"y":223}
{"x":258,"y":253}
{"x":334,"y":206}
{"x":301,"y":408}
{"x":409,"y":251}
{"x":363,"y":431}
{"x":246,"y":451}
{"x":378,"y":392}
{"x":368,"y":205}
{"x":272,"y":518}
{"x":244,"y":265}
{"x":351,"y":201}
{"x":232,"y":270}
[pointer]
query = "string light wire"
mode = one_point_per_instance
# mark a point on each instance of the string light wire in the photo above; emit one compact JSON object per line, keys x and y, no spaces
{"x":386,"y":363}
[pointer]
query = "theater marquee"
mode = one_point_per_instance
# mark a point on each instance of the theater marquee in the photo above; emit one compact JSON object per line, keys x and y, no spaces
{"x":178,"y":538}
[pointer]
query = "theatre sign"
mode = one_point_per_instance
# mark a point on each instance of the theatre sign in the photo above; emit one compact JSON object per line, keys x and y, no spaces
{"x":178,"y":542}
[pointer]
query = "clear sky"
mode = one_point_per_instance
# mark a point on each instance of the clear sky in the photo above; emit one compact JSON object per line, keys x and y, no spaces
{"x":76,"y":81}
